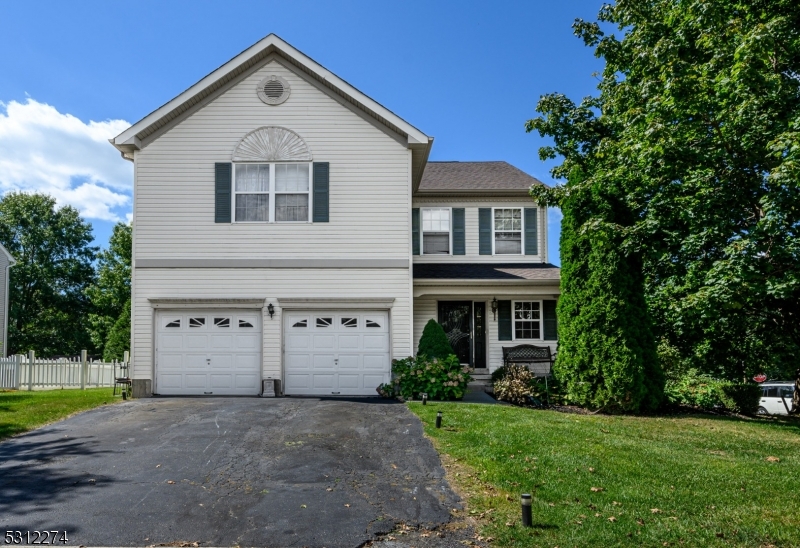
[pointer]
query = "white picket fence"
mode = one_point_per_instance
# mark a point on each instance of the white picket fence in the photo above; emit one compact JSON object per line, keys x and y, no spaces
{"x":23,"y":372}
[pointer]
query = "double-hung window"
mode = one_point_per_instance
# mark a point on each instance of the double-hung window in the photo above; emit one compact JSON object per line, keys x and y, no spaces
{"x":436,"y":231}
{"x":272,"y":192}
{"x":508,"y":231}
{"x":527,"y":320}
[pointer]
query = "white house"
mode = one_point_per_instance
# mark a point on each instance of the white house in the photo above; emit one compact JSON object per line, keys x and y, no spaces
{"x":289,"y":228}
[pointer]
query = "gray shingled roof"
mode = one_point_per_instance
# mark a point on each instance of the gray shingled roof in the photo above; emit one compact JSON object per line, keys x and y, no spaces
{"x":474,"y":176}
{"x":487,"y":271}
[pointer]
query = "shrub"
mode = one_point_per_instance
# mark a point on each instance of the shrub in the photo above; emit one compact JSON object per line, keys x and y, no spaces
{"x":706,"y":392}
{"x":433,"y":342}
{"x":441,"y":379}
{"x":499,"y":374}
{"x":693,"y":388}
{"x":740,"y":397}
{"x":516,"y":385}
{"x":386,"y":390}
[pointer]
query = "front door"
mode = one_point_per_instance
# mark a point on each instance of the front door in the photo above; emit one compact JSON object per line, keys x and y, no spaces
{"x":456,"y":319}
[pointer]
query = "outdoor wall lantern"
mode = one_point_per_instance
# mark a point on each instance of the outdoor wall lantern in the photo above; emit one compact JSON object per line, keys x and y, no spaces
{"x":494,"y":308}
{"x":270,"y":310}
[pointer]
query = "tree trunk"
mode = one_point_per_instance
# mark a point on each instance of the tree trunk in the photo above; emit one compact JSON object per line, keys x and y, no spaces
{"x":796,"y":396}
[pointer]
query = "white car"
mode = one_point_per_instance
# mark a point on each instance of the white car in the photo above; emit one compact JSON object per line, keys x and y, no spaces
{"x":773,"y":396}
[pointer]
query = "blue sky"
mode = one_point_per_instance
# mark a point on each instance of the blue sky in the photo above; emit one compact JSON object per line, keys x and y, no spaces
{"x":467,"y":75}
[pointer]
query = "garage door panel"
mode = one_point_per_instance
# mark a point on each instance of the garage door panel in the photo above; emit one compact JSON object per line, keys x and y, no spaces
{"x":167,"y":342}
{"x":376,"y":342}
{"x":195,"y":381}
{"x":208,"y":352}
{"x":220,"y":381}
{"x":296,"y":362}
{"x":373,"y":362}
{"x":349,"y":361}
{"x":348,"y":352}
{"x":323,"y":381}
{"x":196,"y":341}
{"x":322,"y":361}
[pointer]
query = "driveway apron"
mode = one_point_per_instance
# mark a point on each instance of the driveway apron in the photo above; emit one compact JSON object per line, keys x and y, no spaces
{"x":226,"y":471}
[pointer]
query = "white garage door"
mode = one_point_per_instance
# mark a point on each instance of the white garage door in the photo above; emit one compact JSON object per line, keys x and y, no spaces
{"x":205,"y":352}
{"x":336,"y":353}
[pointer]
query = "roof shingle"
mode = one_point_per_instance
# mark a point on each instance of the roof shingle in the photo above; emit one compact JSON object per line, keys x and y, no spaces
{"x":474,"y":176}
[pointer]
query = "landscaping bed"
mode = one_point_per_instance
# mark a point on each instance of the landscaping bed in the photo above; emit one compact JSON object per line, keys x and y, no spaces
{"x":600,"y":480}
{"x":21,"y":411}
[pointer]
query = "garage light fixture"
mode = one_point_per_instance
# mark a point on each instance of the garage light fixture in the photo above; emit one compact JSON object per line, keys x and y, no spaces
{"x":270,"y":310}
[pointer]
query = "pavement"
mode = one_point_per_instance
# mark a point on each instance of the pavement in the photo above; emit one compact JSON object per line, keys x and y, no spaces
{"x":231,"y":471}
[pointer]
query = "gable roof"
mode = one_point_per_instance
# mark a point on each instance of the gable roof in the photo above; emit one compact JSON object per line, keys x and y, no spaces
{"x":475,"y":178}
{"x":11,"y":261}
{"x":131,"y":139}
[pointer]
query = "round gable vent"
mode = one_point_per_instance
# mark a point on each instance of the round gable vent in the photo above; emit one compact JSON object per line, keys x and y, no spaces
{"x":273,"y":90}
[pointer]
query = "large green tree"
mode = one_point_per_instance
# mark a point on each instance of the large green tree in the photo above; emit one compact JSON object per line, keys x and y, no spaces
{"x":112,"y":290}
{"x":696,"y":132}
{"x":47,"y":289}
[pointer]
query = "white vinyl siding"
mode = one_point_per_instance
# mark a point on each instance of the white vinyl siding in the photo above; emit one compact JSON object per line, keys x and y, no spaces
{"x":272,"y":285}
{"x":471,"y":206}
{"x":369,"y":181}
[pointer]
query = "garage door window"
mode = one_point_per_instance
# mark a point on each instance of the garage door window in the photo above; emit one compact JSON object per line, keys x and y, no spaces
{"x":301,"y":323}
{"x":173,"y":323}
{"x":245,"y":323}
{"x":222,"y":322}
{"x":372,"y":323}
{"x":324,"y":322}
{"x":197,"y":322}
{"x":350,"y":322}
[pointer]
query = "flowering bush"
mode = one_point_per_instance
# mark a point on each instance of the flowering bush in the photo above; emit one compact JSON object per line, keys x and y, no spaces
{"x":515,"y":384}
{"x":441,"y":379}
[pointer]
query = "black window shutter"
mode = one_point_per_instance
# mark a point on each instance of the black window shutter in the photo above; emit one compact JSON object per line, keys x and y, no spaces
{"x":322,"y":171}
{"x":485,"y":231}
{"x":222,"y":192}
{"x":504,"y":320}
{"x":415,"y":230}
{"x":459,"y":244}
{"x":550,"y":321}
{"x":531,"y":231}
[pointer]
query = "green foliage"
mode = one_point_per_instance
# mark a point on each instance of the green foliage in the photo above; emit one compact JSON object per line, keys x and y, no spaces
{"x":704,"y":391}
{"x":47,"y":288}
{"x":433,"y":342}
{"x":112,"y":289}
{"x":499,"y":373}
{"x":441,"y":379}
{"x":515,"y":386}
{"x":119,"y":338}
{"x":740,"y":397}
{"x":695,"y":137}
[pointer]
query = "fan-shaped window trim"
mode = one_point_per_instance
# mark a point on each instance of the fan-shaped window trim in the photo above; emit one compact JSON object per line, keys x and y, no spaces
{"x":272,"y":144}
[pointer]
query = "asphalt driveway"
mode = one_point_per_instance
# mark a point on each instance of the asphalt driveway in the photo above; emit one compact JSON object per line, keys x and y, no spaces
{"x":226,"y":471}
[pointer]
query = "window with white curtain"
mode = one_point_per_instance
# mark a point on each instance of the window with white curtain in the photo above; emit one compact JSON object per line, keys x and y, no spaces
{"x":272,"y":192}
{"x":508,"y":231}
{"x":436,"y":231}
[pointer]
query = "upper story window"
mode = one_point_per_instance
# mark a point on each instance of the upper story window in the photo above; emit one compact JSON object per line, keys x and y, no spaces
{"x":508,"y":231}
{"x":436,"y":231}
{"x":274,"y":192}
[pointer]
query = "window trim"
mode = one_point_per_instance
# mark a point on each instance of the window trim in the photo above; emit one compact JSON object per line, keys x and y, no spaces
{"x":514,"y":320}
{"x":522,"y":236}
{"x":272,"y":193}
{"x":422,"y":232}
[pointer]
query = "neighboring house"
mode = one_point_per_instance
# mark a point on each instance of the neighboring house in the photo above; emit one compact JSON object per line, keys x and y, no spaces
{"x":289,"y":228}
{"x":6,"y":262}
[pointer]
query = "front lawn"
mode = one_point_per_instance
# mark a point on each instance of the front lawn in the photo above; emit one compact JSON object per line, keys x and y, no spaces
{"x":21,"y":411}
{"x":600,"y":480}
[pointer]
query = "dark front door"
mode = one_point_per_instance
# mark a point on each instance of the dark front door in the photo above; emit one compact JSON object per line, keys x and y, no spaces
{"x":479,"y":334}
{"x":456,"y":319}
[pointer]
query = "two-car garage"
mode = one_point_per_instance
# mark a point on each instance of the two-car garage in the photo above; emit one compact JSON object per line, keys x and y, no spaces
{"x":219,"y":352}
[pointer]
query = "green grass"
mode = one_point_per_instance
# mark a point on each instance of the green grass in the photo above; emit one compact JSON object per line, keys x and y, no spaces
{"x":21,"y":411}
{"x":667,"y":481}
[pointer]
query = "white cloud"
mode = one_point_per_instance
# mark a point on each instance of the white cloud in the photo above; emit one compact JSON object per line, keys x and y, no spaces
{"x":43,"y":150}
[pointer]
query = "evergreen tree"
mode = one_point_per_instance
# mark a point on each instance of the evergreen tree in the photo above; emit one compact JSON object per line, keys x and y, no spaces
{"x":119,"y":338}
{"x":433,"y":342}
